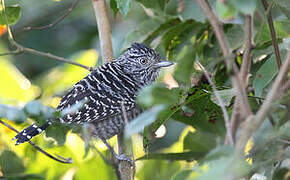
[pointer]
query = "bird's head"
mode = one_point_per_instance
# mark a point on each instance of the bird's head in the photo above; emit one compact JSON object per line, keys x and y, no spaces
{"x":142,"y":63}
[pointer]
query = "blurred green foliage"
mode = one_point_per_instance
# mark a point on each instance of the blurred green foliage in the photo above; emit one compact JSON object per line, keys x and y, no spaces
{"x":191,"y":146}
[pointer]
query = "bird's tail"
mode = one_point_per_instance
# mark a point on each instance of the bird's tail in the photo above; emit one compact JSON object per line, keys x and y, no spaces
{"x":29,"y":132}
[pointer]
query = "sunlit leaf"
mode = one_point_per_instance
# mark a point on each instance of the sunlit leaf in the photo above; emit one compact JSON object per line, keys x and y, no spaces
{"x":17,"y":86}
{"x":182,"y":175}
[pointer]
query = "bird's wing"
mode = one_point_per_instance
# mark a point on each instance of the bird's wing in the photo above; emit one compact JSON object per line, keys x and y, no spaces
{"x":101,"y":100}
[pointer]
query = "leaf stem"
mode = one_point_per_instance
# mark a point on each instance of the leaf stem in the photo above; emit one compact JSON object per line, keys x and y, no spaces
{"x":273,"y":32}
{"x":58,"y":158}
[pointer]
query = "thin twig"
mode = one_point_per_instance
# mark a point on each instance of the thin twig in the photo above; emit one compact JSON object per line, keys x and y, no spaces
{"x":244,"y":72}
{"x":249,"y":45}
{"x":104,"y":30}
{"x":228,"y":56}
{"x":251,"y":125}
{"x":60,"y":159}
{"x":221,"y":103}
{"x":273,"y":33}
{"x":58,"y":20}
{"x":22,"y":49}
{"x":284,"y":141}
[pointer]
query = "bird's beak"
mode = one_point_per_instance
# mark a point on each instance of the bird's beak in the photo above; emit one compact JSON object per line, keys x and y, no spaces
{"x":163,"y":64}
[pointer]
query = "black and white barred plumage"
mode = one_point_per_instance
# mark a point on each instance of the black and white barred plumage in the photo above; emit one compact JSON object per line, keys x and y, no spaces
{"x":105,"y":91}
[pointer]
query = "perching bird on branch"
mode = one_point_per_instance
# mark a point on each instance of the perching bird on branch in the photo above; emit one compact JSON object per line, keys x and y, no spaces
{"x":106,"y":91}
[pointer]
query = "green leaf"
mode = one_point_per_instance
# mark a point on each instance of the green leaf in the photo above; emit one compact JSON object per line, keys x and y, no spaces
{"x":193,"y":11}
{"x":189,"y":156}
{"x":38,"y":111}
{"x":158,"y":94}
{"x":13,"y":14}
{"x":284,"y":6}
{"x":12,"y":113}
{"x":223,"y":167}
{"x":156,"y":5}
{"x":226,"y":96}
{"x":144,"y":119}
{"x":161,"y":29}
{"x":199,"y":141}
{"x":207,"y":116}
{"x":219,"y":152}
{"x":182,"y":175}
{"x":158,"y":170}
{"x":263,"y":36}
{"x":124,"y":6}
{"x":58,"y":132}
{"x":114,"y":6}
{"x":264,"y":75}
{"x":184,"y":68}
{"x":226,"y":10}
{"x":11,"y":164}
{"x":235,"y":36}
{"x":245,"y":6}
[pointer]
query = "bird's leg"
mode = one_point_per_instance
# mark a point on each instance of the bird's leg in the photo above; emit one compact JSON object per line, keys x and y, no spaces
{"x":121,"y":157}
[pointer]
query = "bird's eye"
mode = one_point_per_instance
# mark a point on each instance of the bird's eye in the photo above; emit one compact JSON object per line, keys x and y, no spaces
{"x":144,"y":61}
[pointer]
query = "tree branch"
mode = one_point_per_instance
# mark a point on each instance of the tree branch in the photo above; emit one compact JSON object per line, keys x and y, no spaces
{"x":249,"y":125}
{"x":273,"y":33}
{"x":58,"y":158}
{"x":222,"y":105}
{"x":104,"y":30}
{"x":58,"y":20}
{"x":124,"y":170}
{"x":244,"y":72}
{"x":228,"y":56}
{"x":22,"y":49}
{"x":249,"y":45}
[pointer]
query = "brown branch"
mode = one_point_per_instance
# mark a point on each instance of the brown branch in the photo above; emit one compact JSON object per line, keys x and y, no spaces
{"x":58,"y":20}
{"x":228,"y":56}
{"x":244,"y":72}
{"x":273,"y":33}
{"x":124,"y":170}
{"x":22,"y":49}
{"x":58,"y":158}
{"x":253,"y":123}
{"x":222,"y":105}
{"x":103,"y":29}
{"x":249,"y":45}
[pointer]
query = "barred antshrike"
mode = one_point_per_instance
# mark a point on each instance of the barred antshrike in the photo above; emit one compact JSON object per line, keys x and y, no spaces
{"x":107,"y":90}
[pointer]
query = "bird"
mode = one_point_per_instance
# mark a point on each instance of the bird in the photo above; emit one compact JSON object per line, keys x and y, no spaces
{"x":106,"y":92}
